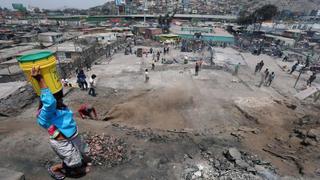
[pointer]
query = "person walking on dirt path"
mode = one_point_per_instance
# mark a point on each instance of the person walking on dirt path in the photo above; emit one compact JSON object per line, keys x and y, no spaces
{"x":146,"y":76}
{"x":311,"y":79}
{"x":82,"y":80}
{"x":270,"y":79}
{"x":92,"y":85}
{"x":87,"y":110}
{"x":236,"y":69}
{"x":263,"y":76}
{"x":285,"y":59}
{"x":257,"y":68}
{"x":158,"y":56}
{"x":266,"y":74}
{"x":54,"y":116}
{"x":261,"y":65}
{"x":294,"y":67}
{"x":197,"y":68}
{"x":153,"y":65}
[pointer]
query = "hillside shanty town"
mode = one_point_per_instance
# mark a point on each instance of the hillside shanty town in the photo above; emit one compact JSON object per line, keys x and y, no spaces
{"x":160,"y":90}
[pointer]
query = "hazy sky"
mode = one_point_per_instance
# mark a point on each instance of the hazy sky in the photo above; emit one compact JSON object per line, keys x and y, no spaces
{"x":54,"y":4}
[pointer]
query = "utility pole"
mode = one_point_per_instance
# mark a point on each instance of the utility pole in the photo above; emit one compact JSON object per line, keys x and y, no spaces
{"x":302,"y":69}
{"x":295,"y":84}
{"x":144,"y":12}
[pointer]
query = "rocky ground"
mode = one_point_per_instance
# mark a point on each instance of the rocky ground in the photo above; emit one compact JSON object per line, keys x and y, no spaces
{"x":180,"y":126}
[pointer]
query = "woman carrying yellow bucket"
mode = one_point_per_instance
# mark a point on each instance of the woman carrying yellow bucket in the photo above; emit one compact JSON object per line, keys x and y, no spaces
{"x":54,"y":116}
{"x":47,"y":63}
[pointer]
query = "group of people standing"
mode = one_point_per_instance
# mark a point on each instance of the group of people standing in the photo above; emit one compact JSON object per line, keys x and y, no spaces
{"x":259,"y":67}
{"x":266,"y":76}
{"x":166,"y":50}
{"x":82,"y":82}
{"x":156,"y":54}
{"x":155,"y":58}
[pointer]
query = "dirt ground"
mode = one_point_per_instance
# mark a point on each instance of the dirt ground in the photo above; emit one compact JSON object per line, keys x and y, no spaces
{"x":177,"y":119}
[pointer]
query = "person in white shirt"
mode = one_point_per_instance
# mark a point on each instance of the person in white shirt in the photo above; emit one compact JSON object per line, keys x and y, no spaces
{"x":92,"y":85}
{"x":146,"y":75}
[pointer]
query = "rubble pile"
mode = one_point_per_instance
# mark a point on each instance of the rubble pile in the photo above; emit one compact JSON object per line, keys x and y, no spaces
{"x":308,"y":136}
{"x":106,"y":150}
{"x":308,"y":131}
{"x":232,"y":164}
{"x":143,"y":133}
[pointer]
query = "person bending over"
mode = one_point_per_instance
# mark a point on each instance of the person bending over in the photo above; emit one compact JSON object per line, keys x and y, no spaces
{"x":87,"y":110}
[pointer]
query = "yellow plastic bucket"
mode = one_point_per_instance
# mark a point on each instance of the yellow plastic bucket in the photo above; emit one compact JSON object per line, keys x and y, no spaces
{"x":48,"y":69}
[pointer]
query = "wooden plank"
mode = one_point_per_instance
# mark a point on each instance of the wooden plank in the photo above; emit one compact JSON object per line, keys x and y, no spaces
{"x":306,"y":93}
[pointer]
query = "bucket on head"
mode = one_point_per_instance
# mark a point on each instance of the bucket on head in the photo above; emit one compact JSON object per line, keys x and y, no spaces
{"x":48,"y":69}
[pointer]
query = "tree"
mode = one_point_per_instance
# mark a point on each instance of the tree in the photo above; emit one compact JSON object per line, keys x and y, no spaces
{"x":36,"y":10}
{"x":266,"y":12}
{"x":245,"y":18}
{"x":164,"y":21}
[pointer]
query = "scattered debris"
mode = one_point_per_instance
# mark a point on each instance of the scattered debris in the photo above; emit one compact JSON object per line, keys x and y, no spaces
{"x":248,"y":129}
{"x":106,"y":150}
{"x":308,"y":132}
{"x":235,"y":165}
{"x":308,"y":120}
{"x":291,"y":106}
{"x":143,"y":133}
{"x":175,"y":131}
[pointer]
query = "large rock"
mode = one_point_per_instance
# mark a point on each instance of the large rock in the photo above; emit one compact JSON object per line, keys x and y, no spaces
{"x":314,"y":133}
{"x":233,"y":154}
{"x":7,"y":174}
{"x":309,"y":141}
